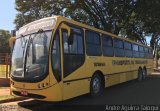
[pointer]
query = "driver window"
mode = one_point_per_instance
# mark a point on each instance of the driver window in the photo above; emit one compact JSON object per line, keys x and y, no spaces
{"x":73,"y":53}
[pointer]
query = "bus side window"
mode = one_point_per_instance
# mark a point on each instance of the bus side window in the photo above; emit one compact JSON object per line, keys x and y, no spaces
{"x":73,"y":53}
{"x":135,"y":51}
{"x":128,"y":49}
{"x":141,"y":51}
{"x":93,"y":43}
{"x":118,"y":48}
{"x":107,"y":45}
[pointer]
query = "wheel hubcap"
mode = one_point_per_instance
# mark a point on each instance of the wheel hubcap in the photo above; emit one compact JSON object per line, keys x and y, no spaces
{"x":140,"y":75}
{"x":144,"y":74}
{"x":96,"y":85}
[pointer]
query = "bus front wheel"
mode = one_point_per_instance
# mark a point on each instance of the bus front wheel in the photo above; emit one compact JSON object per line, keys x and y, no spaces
{"x":96,"y":87}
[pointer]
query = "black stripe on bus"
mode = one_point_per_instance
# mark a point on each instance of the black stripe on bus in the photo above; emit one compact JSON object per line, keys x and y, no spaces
{"x":104,"y":75}
{"x":76,"y":79}
{"x":119,"y":73}
{"x":122,"y":72}
{"x":90,"y":77}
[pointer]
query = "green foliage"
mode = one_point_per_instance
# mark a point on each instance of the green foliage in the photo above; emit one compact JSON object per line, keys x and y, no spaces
{"x":133,"y":19}
{"x":109,"y":15}
{"x":30,"y":10}
{"x":4,"y":44}
{"x":148,"y":14}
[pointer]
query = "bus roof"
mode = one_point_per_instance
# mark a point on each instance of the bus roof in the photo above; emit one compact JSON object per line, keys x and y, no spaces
{"x":49,"y":22}
{"x":44,"y":24}
{"x":98,"y":30}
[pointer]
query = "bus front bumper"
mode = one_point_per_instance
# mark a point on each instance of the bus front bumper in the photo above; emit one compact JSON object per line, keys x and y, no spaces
{"x":48,"y":94}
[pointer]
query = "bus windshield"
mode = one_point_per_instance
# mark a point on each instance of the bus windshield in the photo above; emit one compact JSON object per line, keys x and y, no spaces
{"x":30,"y":55}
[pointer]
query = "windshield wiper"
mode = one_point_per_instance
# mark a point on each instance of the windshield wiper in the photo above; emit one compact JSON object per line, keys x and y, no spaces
{"x":30,"y":40}
{"x":24,"y":47}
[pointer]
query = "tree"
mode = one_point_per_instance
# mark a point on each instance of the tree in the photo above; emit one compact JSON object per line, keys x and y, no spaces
{"x":133,"y":19}
{"x":4,"y":38}
{"x":148,"y":14}
{"x":109,"y":15}
{"x":30,"y":10}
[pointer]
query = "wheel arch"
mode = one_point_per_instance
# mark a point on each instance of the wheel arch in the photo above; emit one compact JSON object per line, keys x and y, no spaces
{"x":140,"y":68}
{"x":144,"y":67}
{"x":98,"y":72}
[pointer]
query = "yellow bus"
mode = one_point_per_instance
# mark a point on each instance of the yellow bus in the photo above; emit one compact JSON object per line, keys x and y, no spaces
{"x":55,"y":59}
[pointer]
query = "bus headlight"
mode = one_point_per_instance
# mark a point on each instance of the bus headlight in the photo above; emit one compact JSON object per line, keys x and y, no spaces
{"x":39,"y":86}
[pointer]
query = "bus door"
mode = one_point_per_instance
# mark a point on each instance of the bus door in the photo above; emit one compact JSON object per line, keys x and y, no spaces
{"x":72,"y":61}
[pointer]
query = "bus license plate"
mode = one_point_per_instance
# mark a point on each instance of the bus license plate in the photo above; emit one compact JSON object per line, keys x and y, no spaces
{"x":24,"y":93}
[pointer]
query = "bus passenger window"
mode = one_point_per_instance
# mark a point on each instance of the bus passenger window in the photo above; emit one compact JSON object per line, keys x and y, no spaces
{"x":135,"y":51}
{"x":76,"y":47}
{"x":107,"y":46}
{"x":118,"y":48}
{"x":141,"y":51}
{"x":93,"y":44}
{"x":128,"y":49}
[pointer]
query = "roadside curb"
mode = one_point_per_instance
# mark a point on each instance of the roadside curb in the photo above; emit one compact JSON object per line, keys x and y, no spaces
{"x":13,"y":99}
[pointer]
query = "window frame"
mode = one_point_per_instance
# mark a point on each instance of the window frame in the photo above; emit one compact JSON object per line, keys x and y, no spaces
{"x":99,"y":45}
{"x":128,"y":43}
{"x":127,"y":49}
{"x":107,"y":46}
{"x":77,"y":34}
{"x":141,"y":51}
{"x":118,"y":46}
{"x":135,"y":50}
{"x":115,"y":48}
{"x":139,"y":46}
{"x":65,"y":74}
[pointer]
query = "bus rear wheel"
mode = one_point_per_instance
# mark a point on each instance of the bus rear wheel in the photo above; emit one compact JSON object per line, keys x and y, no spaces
{"x":140,"y":74}
{"x":144,"y":73}
{"x":96,"y":86}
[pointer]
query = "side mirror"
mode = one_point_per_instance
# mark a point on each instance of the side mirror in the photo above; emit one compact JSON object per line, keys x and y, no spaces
{"x":70,"y":38}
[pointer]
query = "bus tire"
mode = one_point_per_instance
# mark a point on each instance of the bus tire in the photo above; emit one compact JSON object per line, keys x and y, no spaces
{"x":144,"y":73}
{"x":96,"y":86}
{"x":140,"y":74}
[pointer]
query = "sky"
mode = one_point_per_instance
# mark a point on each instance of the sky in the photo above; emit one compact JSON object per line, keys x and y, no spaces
{"x":7,"y":14}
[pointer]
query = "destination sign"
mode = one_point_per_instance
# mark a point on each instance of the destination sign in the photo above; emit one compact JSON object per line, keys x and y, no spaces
{"x":44,"y":24}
